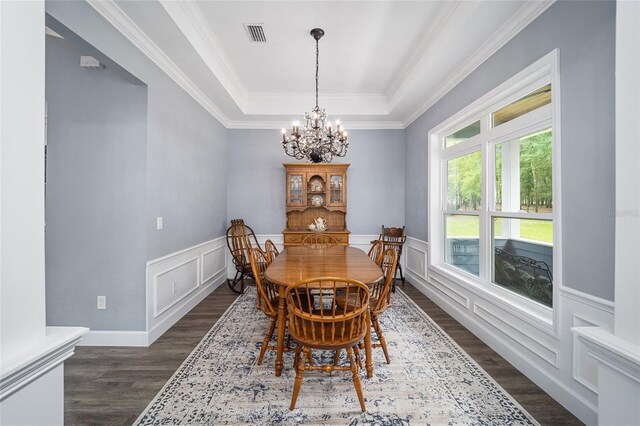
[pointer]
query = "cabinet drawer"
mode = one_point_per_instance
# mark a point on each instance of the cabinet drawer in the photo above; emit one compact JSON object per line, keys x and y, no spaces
{"x":293,"y":238}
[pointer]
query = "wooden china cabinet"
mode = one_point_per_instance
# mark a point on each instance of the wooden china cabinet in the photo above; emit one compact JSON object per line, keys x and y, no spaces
{"x":313,"y":191}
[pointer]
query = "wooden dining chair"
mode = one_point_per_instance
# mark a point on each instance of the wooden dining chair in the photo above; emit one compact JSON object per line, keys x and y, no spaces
{"x":270,"y":250}
{"x":319,"y":241}
{"x":317,"y":322}
{"x":375,"y":252}
{"x":240,"y":240}
{"x":381,"y":297}
{"x":267,"y":297}
{"x":394,"y":238}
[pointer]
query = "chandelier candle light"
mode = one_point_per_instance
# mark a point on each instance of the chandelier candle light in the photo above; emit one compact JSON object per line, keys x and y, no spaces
{"x":318,"y":141}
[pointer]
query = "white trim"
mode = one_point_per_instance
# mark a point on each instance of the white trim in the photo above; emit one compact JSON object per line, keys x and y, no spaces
{"x":116,"y":17}
{"x":449,"y":291}
{"x":495,"y":318}
{"x":168,"y":319}
{"x":444,"y":13}
{"x":158,"y":311}
{"x":115,"y":338}
{"x":160,"y":320}
{"x":34,"y":361}
{"x":191,"y":22}
{"x":194,"y":26}
{"x":587,"y":299}
{"x":619,"y":354}
{"x":543,"y":71}
{"x":528,"y":12}
{"x":351,"y":125}
{"x":546,"y":360}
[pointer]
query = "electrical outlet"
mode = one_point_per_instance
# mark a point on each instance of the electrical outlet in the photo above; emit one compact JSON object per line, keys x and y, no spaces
{"x":174,"y":288}
{"x":102,"y":302}
{"x":159,"y":223}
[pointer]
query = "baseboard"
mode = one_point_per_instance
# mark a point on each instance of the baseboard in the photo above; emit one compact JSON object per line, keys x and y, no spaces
{"x":146,"y":338}
{"x":192,"y":274}
{"x":115,"y":338}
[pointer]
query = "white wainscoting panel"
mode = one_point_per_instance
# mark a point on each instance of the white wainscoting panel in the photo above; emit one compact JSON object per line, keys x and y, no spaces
{"x":178,"y":282}
{"x":175,"y":284}
{"x":558,"y":363}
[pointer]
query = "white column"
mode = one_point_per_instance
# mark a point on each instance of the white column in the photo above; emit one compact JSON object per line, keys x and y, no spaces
{"x":31,"y":354}
{"x":22,"y":55}
{"x":618,"y":353}
{"x":627,"y":268}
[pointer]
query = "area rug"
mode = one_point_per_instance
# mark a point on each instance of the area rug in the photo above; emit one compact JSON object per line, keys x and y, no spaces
{"x":430,"y":380}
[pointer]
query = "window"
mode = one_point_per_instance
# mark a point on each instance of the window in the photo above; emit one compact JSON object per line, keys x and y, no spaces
{"x":493,"y":212}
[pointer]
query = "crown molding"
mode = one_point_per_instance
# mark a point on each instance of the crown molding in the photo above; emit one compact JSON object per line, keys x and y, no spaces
{"x":192,"y":23}
{"x":349,"y":125}
{"x":188,"y":17}
{"x":444,"y":13}
{"x":527,"y":13}
{"x":109,"y":10}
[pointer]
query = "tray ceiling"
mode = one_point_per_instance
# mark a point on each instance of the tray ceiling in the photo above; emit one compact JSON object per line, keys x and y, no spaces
{"x":382,"y":63}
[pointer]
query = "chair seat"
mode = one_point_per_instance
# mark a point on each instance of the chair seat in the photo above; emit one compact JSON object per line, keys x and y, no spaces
{"x":342,"y":301}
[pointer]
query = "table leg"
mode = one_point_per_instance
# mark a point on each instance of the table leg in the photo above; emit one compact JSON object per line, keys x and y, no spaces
{"x":282,"y":321}
{"x":367,"y":348}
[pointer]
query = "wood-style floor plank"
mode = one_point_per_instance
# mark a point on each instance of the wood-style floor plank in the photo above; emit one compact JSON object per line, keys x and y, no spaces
{"x":111,"y":386}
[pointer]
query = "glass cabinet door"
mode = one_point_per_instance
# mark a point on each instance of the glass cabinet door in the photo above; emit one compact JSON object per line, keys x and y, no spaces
{"x":336,"y":190}
{"x":295,"y":189}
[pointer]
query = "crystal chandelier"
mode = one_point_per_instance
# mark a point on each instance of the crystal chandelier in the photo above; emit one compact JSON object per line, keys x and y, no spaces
{"x":318,"y":141}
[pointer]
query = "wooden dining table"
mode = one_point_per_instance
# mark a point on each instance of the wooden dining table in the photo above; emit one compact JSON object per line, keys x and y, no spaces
{"x":298,"y":263}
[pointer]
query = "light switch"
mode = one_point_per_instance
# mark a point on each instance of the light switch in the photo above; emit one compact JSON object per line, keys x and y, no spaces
{"x":102,"y":302}
{"x":159,"y":224}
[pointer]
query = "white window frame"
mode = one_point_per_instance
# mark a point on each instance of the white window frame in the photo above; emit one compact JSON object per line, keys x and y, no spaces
{"x":543,"y":71}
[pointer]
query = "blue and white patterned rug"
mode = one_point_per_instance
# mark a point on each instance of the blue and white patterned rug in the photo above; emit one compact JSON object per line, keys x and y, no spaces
{"x":430,"y":380}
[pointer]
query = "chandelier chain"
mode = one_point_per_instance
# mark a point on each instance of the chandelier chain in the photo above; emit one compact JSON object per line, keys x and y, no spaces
{"x":317,"y":67}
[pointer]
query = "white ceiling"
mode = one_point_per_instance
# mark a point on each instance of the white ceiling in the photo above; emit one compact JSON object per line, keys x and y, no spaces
{"x":382,"y":63}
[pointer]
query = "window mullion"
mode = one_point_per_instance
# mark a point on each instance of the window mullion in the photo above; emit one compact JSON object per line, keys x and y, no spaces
{"x":484,"y":231}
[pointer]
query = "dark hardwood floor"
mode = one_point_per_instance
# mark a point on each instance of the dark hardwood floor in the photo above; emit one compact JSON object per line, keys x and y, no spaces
{"x":113,"y":385}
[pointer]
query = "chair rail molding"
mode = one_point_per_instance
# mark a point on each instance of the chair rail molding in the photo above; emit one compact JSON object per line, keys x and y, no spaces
{"x":552,"y":357}
{"x":175,"y":284}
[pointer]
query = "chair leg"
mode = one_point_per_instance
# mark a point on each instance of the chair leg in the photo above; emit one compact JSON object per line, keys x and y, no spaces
{"x":298,"y":382}
{"x":401,"y":274}
{"x":296,"y":357}
{"x":336,"y":357}
{"x":239,"y":277}
{"x":267,"y":339}
{"x":356,"y":350}
{"x":310,"y":357}
{"x":383,"y":342}
{"x":393,"y":283}
{"x":356,"y":379}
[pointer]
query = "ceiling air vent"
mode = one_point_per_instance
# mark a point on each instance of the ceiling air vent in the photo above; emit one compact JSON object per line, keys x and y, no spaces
{"x":255,"y":33}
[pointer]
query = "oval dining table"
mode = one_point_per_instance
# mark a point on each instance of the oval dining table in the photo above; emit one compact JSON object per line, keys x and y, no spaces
{"x":299,"y":263}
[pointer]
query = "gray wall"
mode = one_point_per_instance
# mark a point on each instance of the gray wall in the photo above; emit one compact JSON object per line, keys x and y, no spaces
{"x":186,"y":147}
{"x":585,"y":34}
{"x":95,"y":198}
{"x":183,"y":165}
{"x":375,"y":179}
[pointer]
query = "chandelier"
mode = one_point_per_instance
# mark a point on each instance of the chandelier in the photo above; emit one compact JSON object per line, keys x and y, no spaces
{"x":317,"y":141}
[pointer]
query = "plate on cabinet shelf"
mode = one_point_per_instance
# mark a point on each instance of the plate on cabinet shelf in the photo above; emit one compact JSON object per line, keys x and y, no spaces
{"x":315,"y":185}
{"x":317,"y":201}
